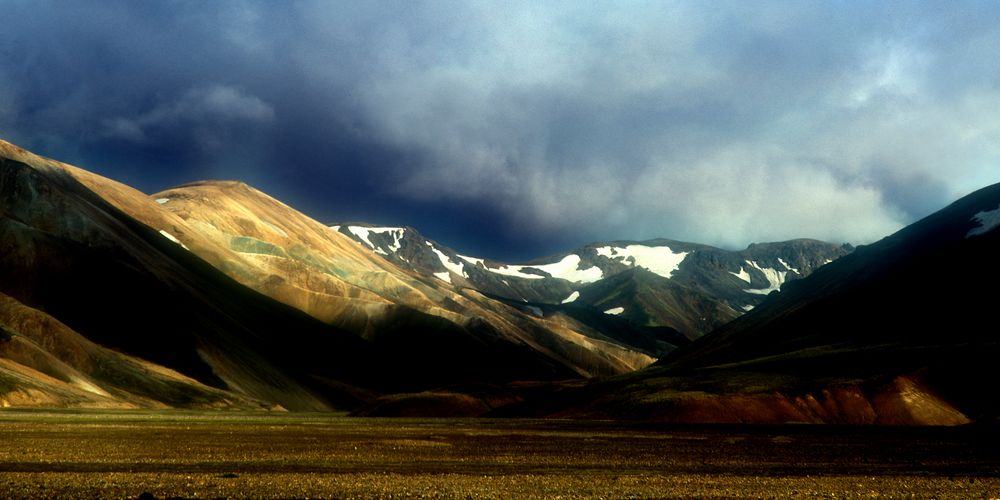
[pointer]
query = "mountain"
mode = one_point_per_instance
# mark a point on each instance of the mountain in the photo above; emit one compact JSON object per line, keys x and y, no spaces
{"x":284,"y":254}
{"x":83,"y":281}
{"x":898,"y":331}
{"x":687,"y":287}
{"x":43,"y":362}
{"x":233,"y":299}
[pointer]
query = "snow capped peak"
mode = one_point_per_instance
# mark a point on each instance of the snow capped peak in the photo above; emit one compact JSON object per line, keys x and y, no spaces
{"x":364,"y":233}
{"x":988,"y":221}
{"x":660,"y":260}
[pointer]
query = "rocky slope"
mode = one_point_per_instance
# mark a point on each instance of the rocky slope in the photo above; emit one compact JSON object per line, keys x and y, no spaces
{"x":688,"y":287}
{"x":45,"y":363}
{"x":896,"y":332}
{"x":158,"y":279}
{"x":294,"y":259}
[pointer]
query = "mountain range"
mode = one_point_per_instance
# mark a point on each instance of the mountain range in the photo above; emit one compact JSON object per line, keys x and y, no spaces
{"x":216,"y":295}
{"x":686,"y":287}
{"x":878,"y":336}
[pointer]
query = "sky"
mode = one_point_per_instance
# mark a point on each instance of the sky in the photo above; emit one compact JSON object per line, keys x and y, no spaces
{"x":516,"y":129}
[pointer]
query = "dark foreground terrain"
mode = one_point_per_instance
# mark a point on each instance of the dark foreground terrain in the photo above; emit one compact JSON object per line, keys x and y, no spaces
{"x":119,"y":454}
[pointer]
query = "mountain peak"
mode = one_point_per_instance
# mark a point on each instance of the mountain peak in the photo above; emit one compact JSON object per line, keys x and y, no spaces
{"x":725,"y":283}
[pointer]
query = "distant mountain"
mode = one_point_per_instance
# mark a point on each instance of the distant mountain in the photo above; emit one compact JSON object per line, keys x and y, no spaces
{"x":658,"y":283}
{"x":899,"y":331}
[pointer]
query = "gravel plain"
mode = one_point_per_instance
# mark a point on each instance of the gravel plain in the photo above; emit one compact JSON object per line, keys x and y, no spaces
{"x":125,"y":454}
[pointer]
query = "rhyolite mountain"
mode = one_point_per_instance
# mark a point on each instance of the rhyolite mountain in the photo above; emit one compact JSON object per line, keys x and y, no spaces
{"x":897,"y":332}
{"x":686,"y":287}
{"x":214,"y":294}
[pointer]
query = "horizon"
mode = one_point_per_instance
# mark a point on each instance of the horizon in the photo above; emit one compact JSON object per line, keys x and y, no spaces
{"x":520,"y":130}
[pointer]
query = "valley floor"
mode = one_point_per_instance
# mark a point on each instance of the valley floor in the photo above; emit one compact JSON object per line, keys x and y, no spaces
{"x":124,"y":454}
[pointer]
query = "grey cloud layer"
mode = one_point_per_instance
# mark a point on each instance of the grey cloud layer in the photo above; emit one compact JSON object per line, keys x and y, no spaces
{"x":724,"y":123}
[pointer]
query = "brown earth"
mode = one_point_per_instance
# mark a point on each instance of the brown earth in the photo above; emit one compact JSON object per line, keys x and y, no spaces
{"x":239,"y":455}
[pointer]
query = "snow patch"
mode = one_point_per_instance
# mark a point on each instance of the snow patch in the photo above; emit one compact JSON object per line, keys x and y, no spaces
{"x":472,"y":260}
{"x":572,"y":297}
{"x":790,"y":268}
{"x":537,"y":311}
{"x":335,"y":228}
{"x":775,"y":278}
{"x":743,"y":275}
{"x":609,"y":252}
{"x":748,"y":308}
{"x":658,"y":260}
{"x":162,"y":200}
{"x":445,"y":276}
{"x":457,"y":268}
{"x":568,"y":269}
{"x":514,"y":271}
{"x":615,"y":311}
{"x":363,"y":234}
{"x":173,"y":239}
{"x":987,"y":220}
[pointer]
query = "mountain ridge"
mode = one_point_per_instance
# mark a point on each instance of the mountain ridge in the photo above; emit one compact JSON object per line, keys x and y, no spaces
{"x":256,"y":301}
{"x":216,"y":295}
{"x":865,"y":339}
{"x":728,"y":280}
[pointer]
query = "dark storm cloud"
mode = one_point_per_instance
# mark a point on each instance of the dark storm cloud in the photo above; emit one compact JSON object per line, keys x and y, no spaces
{"x":555,"y":122}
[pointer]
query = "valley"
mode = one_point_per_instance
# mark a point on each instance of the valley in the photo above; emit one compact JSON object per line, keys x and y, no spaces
{"x":125,"y":454}
{"x":504,"y":250}
{"x":215,"y":295}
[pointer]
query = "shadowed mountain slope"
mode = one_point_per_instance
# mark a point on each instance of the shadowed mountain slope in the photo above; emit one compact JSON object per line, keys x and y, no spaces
{"x":45,"y":363}
{"x":896,"y":332}
{"x":123,"y":285}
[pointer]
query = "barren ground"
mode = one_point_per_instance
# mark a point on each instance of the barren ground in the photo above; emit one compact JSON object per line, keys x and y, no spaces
{"x":124,"y":454}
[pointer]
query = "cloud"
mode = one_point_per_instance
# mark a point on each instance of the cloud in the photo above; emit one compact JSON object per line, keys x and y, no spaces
{"x":773,"y":125}
{"x":8,"y":115}
{"x":209,"y":109}
{"x":561,"y":121}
